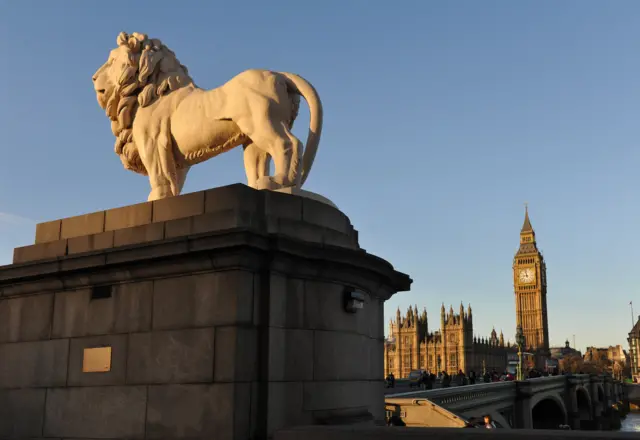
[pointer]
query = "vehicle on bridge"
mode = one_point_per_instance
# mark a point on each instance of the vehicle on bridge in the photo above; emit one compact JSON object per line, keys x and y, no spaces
{"x":552,"y":366}
{"x":528,"y":363}
{"x":415,"y":378}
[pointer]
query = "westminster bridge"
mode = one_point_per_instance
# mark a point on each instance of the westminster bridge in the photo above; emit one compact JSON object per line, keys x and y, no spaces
{"x":581,"y":401}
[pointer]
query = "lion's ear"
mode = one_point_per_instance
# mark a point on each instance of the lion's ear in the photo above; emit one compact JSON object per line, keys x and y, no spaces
{"x":148,"y":62}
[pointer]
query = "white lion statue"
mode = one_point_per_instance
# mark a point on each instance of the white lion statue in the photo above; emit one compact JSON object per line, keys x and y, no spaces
{"x":164,"y":123}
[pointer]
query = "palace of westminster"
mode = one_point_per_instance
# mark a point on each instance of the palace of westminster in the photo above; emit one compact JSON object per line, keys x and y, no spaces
{"x":411,"y":346}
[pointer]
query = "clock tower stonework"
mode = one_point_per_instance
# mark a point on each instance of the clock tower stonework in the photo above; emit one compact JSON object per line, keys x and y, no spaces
{"x":530,"y":286}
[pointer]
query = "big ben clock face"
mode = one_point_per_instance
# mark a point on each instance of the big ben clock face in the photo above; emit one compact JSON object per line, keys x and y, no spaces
{"x":527,"y":275}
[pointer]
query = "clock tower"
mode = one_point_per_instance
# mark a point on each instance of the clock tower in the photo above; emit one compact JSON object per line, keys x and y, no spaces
{"x":530,"y":286}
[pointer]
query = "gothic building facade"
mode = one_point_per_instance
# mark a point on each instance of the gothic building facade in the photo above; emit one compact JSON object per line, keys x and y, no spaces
{"x":411,"y":346}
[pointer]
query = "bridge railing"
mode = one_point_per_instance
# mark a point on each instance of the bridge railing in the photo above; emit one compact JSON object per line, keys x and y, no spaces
{"x":541,"y":384}
{"x":462,"y":398}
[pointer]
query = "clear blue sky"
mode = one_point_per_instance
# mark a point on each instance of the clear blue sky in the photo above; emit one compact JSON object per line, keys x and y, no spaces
{"x":442,"y":119}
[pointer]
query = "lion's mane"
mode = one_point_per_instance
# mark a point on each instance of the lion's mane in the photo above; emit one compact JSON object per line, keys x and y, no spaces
{"x":153,"y":71}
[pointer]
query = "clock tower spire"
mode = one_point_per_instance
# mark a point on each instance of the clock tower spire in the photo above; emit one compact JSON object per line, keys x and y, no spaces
{"x":530,"y":287}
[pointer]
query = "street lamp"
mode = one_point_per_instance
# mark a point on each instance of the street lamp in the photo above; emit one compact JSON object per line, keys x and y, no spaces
{"x":520,"y":342}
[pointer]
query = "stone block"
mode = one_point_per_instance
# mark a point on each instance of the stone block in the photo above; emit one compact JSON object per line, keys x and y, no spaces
{"x":42,"y":251}
{"x":96,"y":412}
{"x":35,"y":286}
{"x":86,"y":224}
{"x":290,"y":354}
{"x":34,"y":364}
{"x":236,"y":354}
{"x":88,"y":243}
{"x":134,"y":254}
{"x":180,"y":227}
{"x":320,"y":396}
{"x":138,"y":234}
{"x":170,"y":267}
{"x":210,"y":222}
{"x":299,"y":230}
{"x":81,"y":262}
{"x":209,"y":299}
{"x":48,"y":231}
{"x":186,"y":205}
{"x":237,"y":197}
{"x":335,"y":238}
{"x":21,"y":413}
{"x":220,"y":411}
{"x":26,"y":319}
{"x":370,"y":319}
{"x":375,"y":398}
{"x":176,"y":356}
{"x":377,"y":325}
{"x":324,"y":215}
{"x":324,"y":308}
{"x":286,"y":406}
{"x":287,"y":302}
{"x":221,"y":220}
{"x":280,"y":205}
{"x":127,"y":310}
{"x":128,"y":216}
{"x":10,"y":273}
{"x":340,"y":356}
{"x":115,"y":376}
{"x":376,"y":358}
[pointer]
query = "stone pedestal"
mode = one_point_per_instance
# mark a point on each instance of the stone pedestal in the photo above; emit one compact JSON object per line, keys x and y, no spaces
{"x":223,"y":313}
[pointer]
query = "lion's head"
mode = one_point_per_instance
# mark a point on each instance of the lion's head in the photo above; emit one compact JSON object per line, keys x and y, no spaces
{"x":137,"y":73}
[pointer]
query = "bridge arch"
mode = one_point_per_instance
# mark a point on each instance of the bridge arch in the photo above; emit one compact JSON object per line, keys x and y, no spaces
{"x":548,"y":412}
{"x":583,"y":400}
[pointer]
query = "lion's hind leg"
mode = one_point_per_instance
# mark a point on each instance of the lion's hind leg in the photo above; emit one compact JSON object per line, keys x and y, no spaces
{"x":283,"y":147}
{"x":256,"y":164}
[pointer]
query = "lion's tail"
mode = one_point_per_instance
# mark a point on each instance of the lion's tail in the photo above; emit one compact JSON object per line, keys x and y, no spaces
{"x":308,"y":92}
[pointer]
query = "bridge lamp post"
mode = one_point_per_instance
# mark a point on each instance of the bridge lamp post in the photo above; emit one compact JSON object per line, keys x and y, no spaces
{"x":520,"y":342}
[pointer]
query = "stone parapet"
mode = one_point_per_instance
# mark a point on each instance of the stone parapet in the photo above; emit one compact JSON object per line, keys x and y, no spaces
{"x":230,"y":207}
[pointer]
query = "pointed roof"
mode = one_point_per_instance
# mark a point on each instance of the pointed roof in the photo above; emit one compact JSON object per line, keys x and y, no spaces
{"x":635,"y":331}
{"x":527,"y":246}
{"x":526,"y":226}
